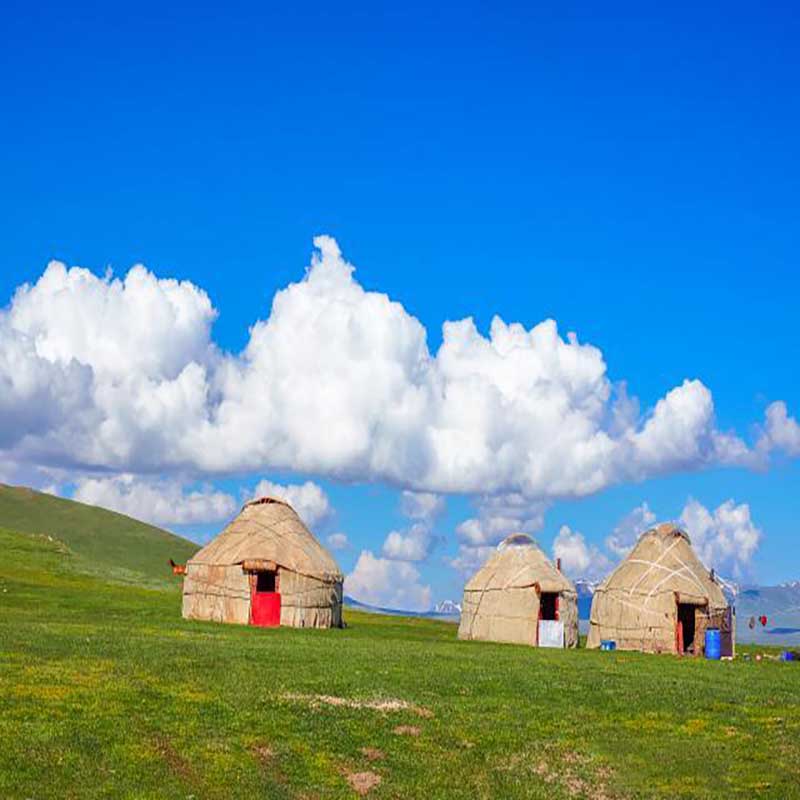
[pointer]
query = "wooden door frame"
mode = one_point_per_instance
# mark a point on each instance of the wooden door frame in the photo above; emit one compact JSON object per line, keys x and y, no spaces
{"x":252,"y":568}
{"x":679,"y":625}
{"x":537,"y":587}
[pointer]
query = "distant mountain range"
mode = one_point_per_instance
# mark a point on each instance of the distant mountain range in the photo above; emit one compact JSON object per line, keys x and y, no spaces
{"x":779,"y":604}
{"x":781,"y":599}
{"x":446,"y":614}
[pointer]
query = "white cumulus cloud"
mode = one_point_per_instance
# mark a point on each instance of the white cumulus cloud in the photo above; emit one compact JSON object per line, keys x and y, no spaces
{"x":498,"y":517}
{"x":579,"y":559}
{"x":412,"y":544}
{"x":470,"y":559}
{"x":387,"y":583}
{"x":681,"y":434}
{"x":781,"y":432}
{"x":123,"y":375}
{"x":421,"y":505}
{"x":307,"y":499}
{"x":338,"y":541}
{"x":113,"y":372}
{"x":725,"y":538}
{"x":157,"y":502}
{"x":627,"y":531}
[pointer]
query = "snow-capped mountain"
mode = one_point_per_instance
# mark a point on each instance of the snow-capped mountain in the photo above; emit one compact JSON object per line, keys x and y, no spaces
{"x":447,"y":607}
{"x":729,"y":588}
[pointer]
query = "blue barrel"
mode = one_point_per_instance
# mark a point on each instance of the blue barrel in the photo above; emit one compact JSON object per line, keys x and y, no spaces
{"x":713,"y":644}
{"x":608,"y":644}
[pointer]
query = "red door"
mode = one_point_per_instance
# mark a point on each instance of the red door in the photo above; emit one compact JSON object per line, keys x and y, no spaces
{"x":266,"y":609}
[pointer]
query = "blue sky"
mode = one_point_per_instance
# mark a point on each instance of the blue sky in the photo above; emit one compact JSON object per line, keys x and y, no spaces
{"x":630,"y":173}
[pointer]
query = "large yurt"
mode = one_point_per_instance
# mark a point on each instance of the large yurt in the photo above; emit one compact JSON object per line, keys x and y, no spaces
{"x":661,"y":599}
{"x":266,"y":568}
{"x":520,"y":596}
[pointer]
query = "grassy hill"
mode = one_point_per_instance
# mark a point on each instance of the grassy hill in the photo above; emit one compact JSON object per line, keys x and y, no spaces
{"x":107,"y":542}
{"x":105,"y":692}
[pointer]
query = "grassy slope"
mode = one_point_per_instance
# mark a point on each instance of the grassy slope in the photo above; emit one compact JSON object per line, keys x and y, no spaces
{"x":105,"y":692}
{"x":110,"y":543}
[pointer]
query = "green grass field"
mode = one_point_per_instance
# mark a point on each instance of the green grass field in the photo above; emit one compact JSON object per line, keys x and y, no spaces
{"x":105,"y":692}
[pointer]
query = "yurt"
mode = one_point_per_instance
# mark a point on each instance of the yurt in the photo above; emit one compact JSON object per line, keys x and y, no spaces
{"x":661,"y":599}
{"x":519,"y":596}
{"x":267,"y":569}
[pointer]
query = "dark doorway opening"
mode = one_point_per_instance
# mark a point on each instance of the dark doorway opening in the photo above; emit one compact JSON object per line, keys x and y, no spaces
{"x":265,"y":582}
{"x":686,"y":614}
{"x":548,"y":605}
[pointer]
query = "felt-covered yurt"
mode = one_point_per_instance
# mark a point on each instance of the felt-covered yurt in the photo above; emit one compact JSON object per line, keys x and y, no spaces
{"x":266,"y":568}
{"x":661,"y":599}
{"x":519,"y":596}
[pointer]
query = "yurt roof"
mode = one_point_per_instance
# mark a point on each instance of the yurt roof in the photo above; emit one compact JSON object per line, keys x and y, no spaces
{"x":663,"y":560}
{"x":518,"y":563}
{"x":269,"y":529}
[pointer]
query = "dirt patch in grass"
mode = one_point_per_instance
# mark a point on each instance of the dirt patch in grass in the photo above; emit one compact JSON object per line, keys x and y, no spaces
{"x":573,"y":772}
{"x":362,"y":783}
{"x":264,"y":753}
{"x":175,"y":761}
{"x":383,"y":704}
{"x":407,"y":730}
{"x":269,"y":762}
{"x":372,"y":753}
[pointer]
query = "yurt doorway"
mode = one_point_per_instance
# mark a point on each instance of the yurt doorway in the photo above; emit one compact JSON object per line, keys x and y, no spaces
{"x":685,"y":628}
{"x":265,"y":599}
{"x":548,"y":605}
{"x":550,"y":630}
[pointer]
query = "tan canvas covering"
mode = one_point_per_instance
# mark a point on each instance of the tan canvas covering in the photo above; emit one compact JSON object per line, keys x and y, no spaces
{"x":267,"y":534}
{"x":637,"y":605}
{"x":501,"y":600}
